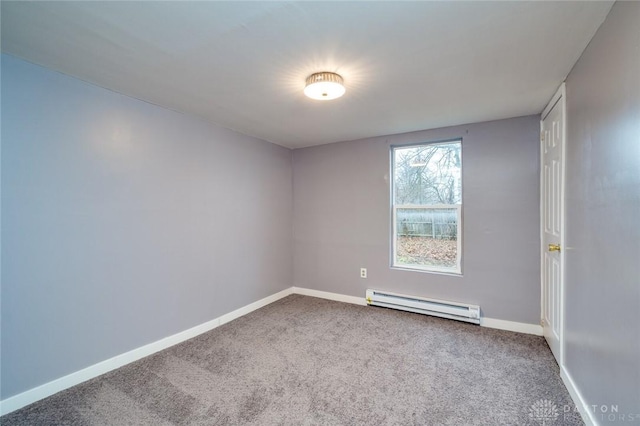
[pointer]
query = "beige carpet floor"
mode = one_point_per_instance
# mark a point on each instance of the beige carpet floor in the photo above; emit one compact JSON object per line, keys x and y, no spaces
{"x":309,"y":361}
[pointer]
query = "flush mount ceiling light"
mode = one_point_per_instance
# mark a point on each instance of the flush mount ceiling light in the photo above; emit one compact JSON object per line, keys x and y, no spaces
{"x":324,"y":86}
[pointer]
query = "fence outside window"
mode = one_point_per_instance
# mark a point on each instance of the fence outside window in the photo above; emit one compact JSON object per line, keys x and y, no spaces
{"x":438,"y":222}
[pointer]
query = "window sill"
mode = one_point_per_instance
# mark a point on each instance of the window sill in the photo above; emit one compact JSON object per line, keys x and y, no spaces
{"x":457,"y":274}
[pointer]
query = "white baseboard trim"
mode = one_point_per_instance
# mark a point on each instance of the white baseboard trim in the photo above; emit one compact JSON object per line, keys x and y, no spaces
{"x":331,"y":296}
{"x":519,"y":327}
{"x":586,"y":414}
{"x":253,"y":306}
{"x":32,"y":395}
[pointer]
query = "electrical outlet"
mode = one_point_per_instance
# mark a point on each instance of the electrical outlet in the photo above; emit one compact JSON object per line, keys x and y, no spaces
{"x":363,"y":272}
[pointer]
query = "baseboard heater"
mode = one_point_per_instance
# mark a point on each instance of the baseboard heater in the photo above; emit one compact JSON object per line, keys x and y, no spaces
{"x":421,"y":305}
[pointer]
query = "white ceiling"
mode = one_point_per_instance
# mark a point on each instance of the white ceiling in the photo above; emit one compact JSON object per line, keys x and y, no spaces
{"x":407,"y":65}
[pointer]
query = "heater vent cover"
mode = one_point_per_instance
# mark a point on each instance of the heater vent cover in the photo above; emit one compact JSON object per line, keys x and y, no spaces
{"x":421,"y":305}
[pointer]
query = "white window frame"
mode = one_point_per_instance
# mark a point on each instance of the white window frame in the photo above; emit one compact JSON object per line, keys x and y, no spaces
{"x":457,"y":270}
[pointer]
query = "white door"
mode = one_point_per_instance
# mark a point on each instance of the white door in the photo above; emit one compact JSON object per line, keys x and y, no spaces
{"x":552,"y":138}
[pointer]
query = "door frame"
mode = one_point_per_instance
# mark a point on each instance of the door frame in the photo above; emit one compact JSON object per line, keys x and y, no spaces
{"x":561,"y":97}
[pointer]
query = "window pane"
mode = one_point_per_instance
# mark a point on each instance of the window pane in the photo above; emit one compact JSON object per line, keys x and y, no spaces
{"x":428,"y":174}
{"x":427,"y":203}
{"x":427,"y":237}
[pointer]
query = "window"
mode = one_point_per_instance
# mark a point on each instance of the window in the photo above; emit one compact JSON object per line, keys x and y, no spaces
{"x":427,"y":207}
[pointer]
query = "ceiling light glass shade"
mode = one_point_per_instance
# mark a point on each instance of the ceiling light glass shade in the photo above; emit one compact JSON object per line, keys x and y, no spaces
{"x":324,"y":86}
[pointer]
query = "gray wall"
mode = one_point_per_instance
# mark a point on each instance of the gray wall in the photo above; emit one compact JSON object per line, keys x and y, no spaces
{"x":124,"y":223}
{"x":602,"y":213}
{"x":342,"y":214}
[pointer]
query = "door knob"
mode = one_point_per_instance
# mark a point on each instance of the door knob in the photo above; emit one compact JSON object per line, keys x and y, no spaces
{"x":554,"y":247}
